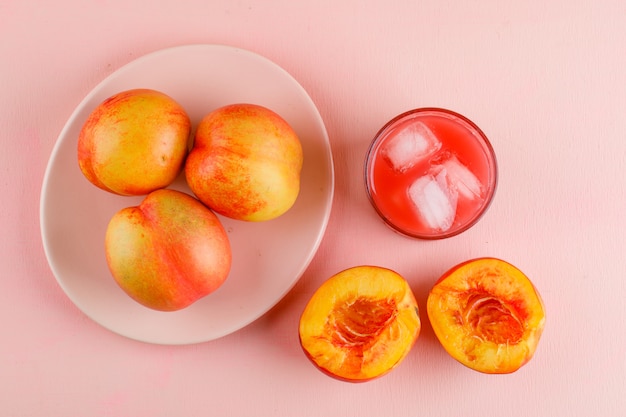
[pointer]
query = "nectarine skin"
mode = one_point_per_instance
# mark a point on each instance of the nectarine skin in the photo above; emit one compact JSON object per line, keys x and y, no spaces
{"x":169,"y":251}
{"x":245,"y":163}
{"x":487,"y":315}
{"x":134,"y":142}
{"x":360,"y":324}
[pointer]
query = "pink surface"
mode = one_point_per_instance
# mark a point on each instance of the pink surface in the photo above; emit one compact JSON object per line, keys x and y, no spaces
{"x":545,"y":81}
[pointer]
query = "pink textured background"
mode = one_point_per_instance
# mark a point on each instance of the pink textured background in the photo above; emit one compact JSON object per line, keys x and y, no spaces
{"x":545,"y":80}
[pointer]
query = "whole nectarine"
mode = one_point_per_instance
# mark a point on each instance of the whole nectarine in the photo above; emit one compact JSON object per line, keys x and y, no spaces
{"x":169,"y":251}
{"x":134,"y":142}
{"x":245,"y":163}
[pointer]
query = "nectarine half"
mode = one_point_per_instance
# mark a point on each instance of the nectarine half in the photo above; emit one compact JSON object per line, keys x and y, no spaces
{"x":487,"y":315}
{"x":360,"y":323}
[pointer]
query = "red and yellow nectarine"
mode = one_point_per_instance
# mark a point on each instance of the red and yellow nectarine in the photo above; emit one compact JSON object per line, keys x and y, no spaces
{"x":245,"y":163}
{"x":169,"y":251}
{"x":134,"y":142}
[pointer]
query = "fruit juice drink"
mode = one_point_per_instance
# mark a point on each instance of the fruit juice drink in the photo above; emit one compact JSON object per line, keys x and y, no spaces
{"x":430,"y":173}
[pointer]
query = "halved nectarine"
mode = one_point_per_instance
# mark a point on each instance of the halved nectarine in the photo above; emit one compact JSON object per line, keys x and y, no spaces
{"x":487,"y":315}
{"x":360,"y":323}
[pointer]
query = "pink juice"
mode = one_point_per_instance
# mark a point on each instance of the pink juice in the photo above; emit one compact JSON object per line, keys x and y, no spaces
{"x":430,"y":173}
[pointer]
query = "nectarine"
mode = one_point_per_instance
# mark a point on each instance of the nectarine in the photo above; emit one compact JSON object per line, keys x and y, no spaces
{"x":169,"y":251}
{"x":134,"y":142}
{"x":360,"y":323}
{"x":487,"y":315}
{"x":245,"y":163}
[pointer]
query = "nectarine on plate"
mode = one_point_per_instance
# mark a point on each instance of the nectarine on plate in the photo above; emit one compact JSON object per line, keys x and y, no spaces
{"x":245,"y":162}
{"x":268,"y":257}
{"x":134,"y":142}
{"x":169,"y":251}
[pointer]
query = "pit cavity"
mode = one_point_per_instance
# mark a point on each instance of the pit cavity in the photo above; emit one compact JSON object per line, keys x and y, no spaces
{"x":357,"y":322}
{"x":492,"y":319}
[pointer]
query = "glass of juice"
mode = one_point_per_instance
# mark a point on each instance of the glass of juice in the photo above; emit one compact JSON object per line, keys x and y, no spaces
{"x":430,"y":173}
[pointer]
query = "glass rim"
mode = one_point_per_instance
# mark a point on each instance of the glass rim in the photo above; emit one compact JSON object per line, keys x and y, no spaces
{"x":492,"y":185}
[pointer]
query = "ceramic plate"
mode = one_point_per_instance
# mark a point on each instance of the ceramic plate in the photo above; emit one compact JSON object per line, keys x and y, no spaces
{"x":268,"y":257}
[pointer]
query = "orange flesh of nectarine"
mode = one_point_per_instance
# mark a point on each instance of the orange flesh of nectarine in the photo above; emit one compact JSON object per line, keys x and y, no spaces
{"x":487,"y":315}
{"x":360,"y":323}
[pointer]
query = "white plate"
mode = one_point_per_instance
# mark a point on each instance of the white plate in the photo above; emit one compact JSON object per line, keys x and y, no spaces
{"x":268,"y":257}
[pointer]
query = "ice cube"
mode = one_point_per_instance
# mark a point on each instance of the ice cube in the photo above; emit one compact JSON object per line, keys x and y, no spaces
{"x":409,"y":146}
{"x":462,"y":178}
{"x":435,"y":200}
